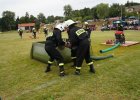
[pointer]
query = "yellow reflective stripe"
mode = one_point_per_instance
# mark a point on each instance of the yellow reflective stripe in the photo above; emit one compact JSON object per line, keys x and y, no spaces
{"x":90,"y":63}
{"x":50,"y":34}
{"x":61,"y":64}
{"x":78,"y":67}
{"x":73,"y":57}
{"x":80,"y":31}
{"x":62,"y":72}
{"x":50,"y":62}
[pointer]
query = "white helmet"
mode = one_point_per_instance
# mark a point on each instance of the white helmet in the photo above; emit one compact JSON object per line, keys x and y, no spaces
{"x":44,"y":27}
{"x":86,"y":23}
{"x":68,"y":23}
{"x":33,"y":28}
{"x":60,"y":27}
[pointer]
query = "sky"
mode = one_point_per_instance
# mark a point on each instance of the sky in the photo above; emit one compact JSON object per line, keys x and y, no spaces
{"x":50,"y":7}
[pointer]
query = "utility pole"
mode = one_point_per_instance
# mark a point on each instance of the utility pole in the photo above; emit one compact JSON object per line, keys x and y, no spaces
{"x":138,"y":18}
{"x":121,"y":12}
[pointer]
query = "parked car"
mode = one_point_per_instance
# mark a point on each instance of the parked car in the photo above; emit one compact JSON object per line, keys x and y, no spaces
{"x":105,"y":28}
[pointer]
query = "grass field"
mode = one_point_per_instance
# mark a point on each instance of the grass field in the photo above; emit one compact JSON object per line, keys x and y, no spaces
{"x":22,"y":78}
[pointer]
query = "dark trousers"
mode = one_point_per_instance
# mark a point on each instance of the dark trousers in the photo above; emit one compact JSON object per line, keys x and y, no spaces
{"x":120,"y":38}
{"x":53,"y":52}
{"x":73,"y":55}
{"x":73,"y":51}
{"x":20,"y":34}
{"x":34,"y":34}
{"x":83,"y":52}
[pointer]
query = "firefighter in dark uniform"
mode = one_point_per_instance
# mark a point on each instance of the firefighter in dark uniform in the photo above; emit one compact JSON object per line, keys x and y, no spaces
{"x":73,"y":51}
{"x":20,"y":31}
{"x":79,"y":39}
{"x":53,"y":40}
{"x":34,"y":33}
{"x":45,"y":31}
{"x":119,"y":34}
{"x":88,"y":29}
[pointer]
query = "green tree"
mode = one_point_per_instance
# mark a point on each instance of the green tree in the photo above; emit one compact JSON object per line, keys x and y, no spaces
{"x":8,"y":21}
{"x":75,"y":13}
{"x":128,"y":14}
{"x":58,"y":18}
{"x":67,"y":11}
{"x":37,"y":24}
{"x":82,"y":15}
{"x":77,"y":18}
{"x":94,"y":13}
{"x":27,"y":19}
{"x":87,"y":18}
{"x":85,"y":12}
{"x":50,"y":19}
{"x":32,"y":19}
{"x":41,"y":18}
{"x":115,"y":10}
{"x":22,"y":19}
{"x":0,"y":24}
{"x":102,"y":10}
{"x":17,"y":22}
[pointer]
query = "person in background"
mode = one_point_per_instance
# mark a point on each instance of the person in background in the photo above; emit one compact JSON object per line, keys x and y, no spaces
{"x":88,"y":29}
{"x":45,"y":31}
{"x":34,"y":33}
{"x":54,"y":40}
{"x":79,"y":38}
{"x":119,"y":34}
{"x":20,"y":31}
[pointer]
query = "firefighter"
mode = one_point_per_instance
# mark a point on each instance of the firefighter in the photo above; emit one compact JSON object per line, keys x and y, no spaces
{"x":73,"y":51}
{"x":45,"y":31}
{"x":119,"y":34}
{"x":34,"y":33}
{"x":20,"y":31}
{"x":88,"y":29}
{"x":53,"y":40}
{"x":79,"y":39}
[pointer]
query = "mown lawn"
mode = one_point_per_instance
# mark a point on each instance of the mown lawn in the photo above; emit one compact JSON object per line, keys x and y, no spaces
{"x":22,"y":78}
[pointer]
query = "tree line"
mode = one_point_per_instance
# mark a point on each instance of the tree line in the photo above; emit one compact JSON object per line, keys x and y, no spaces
{"x":9,"y":22}
{"x":101,"y":11}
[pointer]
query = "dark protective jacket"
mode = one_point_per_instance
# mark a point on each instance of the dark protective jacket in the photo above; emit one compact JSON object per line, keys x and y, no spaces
{"x":55,"y":38}
{"x":76,"y":35}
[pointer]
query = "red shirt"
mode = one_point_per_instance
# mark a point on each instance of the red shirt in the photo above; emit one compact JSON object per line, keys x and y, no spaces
{"x":118,"y":32}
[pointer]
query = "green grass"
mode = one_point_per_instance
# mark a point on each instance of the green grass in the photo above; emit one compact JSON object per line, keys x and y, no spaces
{"x":22,"y":78}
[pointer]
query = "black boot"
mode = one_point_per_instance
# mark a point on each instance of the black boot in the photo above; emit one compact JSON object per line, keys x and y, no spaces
{"x":92,"y":70}
{"x":48,"y":69}
{"x":62,"y":73}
